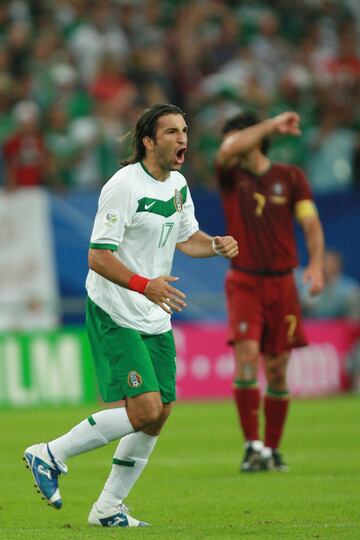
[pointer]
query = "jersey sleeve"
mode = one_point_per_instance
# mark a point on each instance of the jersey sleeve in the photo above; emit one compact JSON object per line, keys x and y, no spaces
{"x":117,"y":205}
{"x":304,"y":205}
{"x":188,"y":223}
{"x":302,"y":190}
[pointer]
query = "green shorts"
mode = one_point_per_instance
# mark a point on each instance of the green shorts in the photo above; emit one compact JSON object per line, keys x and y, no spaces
{"x":129,"y":363}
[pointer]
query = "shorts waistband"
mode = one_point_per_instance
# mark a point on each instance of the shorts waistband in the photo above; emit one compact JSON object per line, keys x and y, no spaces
{"x":271,"y":273}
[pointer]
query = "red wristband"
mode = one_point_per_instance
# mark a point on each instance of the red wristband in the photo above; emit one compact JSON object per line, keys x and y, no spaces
{"x":138,"y":283}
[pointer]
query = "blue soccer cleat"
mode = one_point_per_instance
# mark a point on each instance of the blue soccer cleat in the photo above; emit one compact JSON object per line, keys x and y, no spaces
{"x":114,"y":517}
{"x":45,"y":469}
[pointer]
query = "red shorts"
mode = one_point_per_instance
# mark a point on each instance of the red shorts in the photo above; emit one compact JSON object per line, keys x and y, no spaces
{"x":266,"y":309}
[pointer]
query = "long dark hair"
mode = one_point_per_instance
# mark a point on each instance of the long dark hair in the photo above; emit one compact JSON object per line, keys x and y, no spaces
{"x":146,"y":127}
{"x":244,"y":120}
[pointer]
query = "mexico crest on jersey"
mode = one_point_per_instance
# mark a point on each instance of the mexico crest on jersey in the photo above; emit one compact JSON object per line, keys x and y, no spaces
{"x":178,"y":201}
{"x":134,"y":379}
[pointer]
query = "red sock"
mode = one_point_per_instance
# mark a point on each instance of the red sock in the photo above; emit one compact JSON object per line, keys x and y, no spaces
{"x":248,"y":403}
{"x":275,"y":409}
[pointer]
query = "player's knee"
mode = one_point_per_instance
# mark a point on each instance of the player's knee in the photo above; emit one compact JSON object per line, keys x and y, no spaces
{"x":275,"y":369}
{"x":144,"y":410}
{"x":276,"y":378}
{"x":155,"y":411}
{"x":247,"y":351}
{"x":149,"y":414}
{"x":247,"y":361}
{"x":155,"y":427}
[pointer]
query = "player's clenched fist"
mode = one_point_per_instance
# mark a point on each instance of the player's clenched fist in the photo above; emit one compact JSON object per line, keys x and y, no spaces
{"x":226,"y":246}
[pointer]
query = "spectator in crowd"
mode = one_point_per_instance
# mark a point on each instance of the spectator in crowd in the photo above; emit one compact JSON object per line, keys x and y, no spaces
{"x":19,"y":38}
{"x":46,"y":50}
{"x":87,"y":170}
{"x":27,"y":161}
{"x":62,"y":145}
{"x":98,"y":35}
{"x":270,"y":50}
{"x":111,"y":83}
{"x":340,"y":297}
{"x":6,"y":118}
{"x":330,"y":154}
{"x":66,"y":89}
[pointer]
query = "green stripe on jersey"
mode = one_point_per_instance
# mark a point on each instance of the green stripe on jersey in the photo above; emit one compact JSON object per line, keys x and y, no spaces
{"x":124,"y":462}
{"x":91,"y":421}
{"x":112,"y":247}
{"x":162,"y":208}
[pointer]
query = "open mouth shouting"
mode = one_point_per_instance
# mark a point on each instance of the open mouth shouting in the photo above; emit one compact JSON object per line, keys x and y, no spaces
{"x":180,"y":155}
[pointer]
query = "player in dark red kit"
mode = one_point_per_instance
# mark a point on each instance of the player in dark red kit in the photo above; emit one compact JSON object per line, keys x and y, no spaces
{"x":261,"y":200}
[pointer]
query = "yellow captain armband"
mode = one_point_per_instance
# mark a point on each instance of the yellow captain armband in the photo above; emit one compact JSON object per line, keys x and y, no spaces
{"x":305,"y":209}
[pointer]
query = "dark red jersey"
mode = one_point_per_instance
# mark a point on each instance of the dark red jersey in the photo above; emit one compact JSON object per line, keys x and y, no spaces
{"x":259,"y":213}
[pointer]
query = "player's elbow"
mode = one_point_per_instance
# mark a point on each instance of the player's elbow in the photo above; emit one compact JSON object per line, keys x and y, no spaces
{"x":227,"y":155}
{"x":183,"y":247}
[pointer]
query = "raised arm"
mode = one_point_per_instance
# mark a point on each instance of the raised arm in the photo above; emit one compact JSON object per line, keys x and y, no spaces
{"x":242,"y":141}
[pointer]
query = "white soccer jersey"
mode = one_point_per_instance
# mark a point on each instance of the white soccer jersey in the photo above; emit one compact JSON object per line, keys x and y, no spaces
{"x":140,"y":219}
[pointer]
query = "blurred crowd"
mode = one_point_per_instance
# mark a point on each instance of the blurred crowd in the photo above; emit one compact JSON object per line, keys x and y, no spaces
{"x":74,"y":75}
{"x":340,"y":298}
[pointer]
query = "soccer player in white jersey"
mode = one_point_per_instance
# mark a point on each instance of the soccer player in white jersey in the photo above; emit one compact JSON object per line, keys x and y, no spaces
{"x":145,"y":211}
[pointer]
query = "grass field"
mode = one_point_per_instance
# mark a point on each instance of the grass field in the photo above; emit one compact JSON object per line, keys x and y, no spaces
{"x":192,"y":488}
